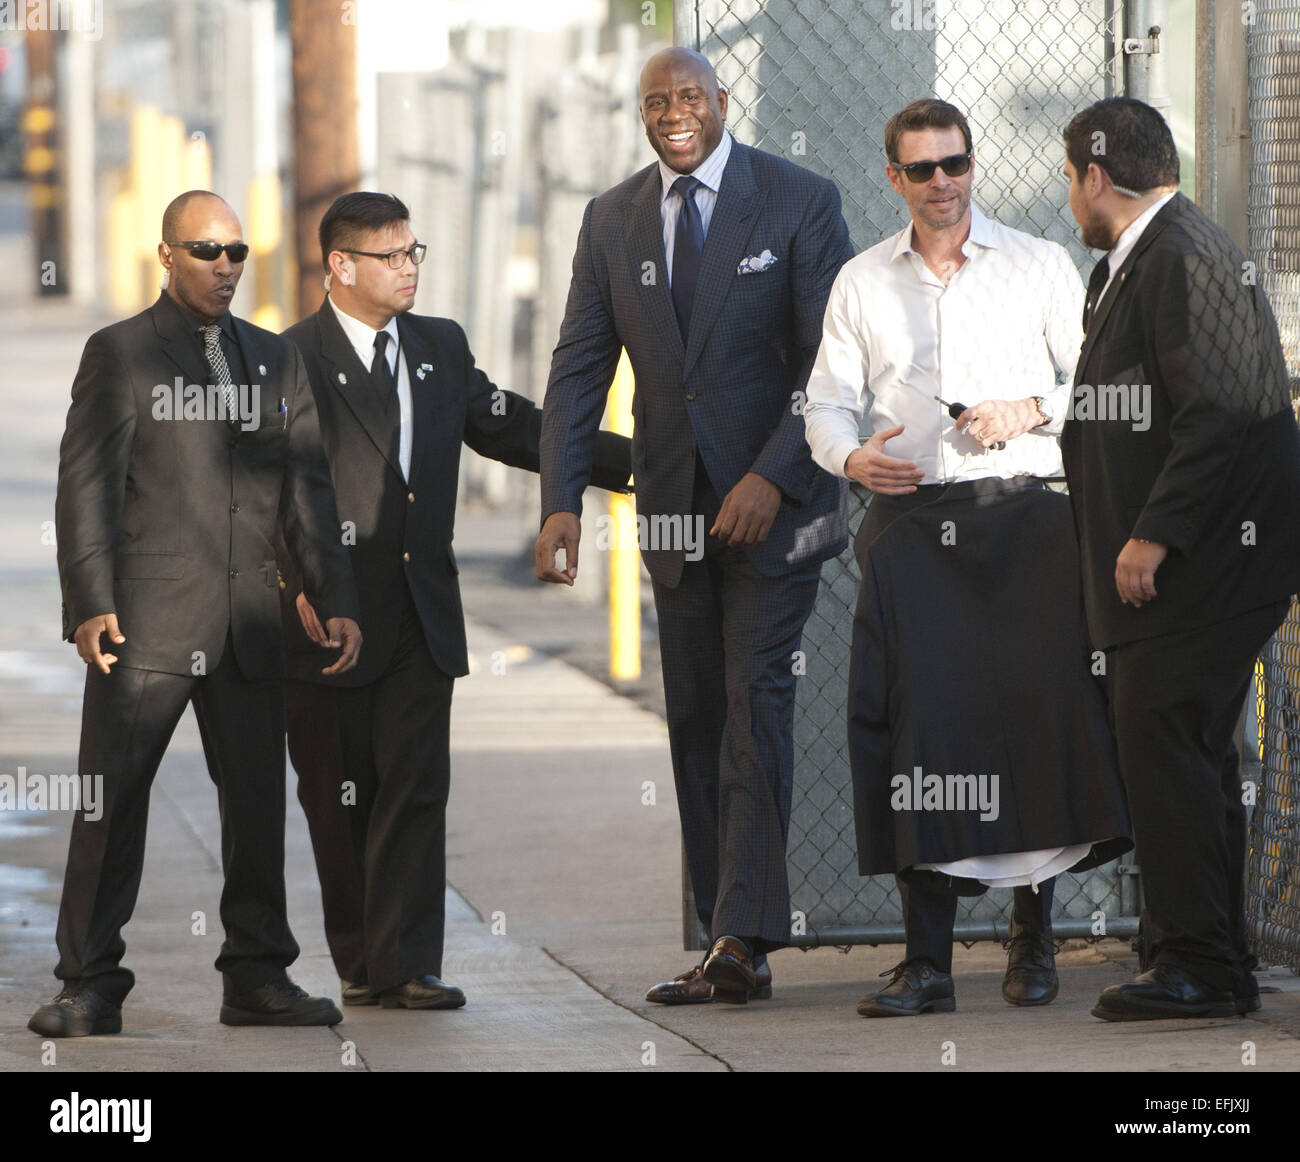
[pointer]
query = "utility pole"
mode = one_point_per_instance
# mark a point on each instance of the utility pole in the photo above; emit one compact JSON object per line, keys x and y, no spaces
{"x":41,"y":162}
{"x":325,"y":155}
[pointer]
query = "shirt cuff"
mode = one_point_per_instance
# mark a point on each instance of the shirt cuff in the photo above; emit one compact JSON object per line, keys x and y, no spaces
{"x":840,"y":451}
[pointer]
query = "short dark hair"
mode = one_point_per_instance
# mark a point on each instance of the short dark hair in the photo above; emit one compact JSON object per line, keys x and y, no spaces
{"x":176,"y":207}
{"x":924,"y":113}
{"x":354,"y":215}
{"x":1127,"y":139}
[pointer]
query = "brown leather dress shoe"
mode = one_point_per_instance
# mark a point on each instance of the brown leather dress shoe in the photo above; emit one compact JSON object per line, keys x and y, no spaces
{"x":692,"y":989}
{"x":729,"y":971}
{"x":358,"y":993}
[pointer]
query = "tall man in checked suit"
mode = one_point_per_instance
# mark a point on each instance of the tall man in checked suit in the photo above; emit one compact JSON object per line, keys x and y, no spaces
{"x":712,"y":268}
{"x":188,"y":430}
{"x":398,"y":396}
{"x":1184,"y":467}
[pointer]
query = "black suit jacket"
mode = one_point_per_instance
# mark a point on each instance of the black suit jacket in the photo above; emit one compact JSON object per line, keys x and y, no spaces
{"x":1215,"y":475}
{"x":401,"y":530}
{"x":170,"y":523}
{"x":733,"y":390}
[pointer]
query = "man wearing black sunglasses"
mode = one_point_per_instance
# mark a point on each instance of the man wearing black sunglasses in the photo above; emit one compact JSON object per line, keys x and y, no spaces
{"x":977,"y":733}
{"x":166,"y":521}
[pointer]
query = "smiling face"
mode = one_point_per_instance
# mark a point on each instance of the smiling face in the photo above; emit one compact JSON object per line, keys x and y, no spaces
{"x":942,"y":201}
{"x":682,"y":108}
{"x":203,"y":288}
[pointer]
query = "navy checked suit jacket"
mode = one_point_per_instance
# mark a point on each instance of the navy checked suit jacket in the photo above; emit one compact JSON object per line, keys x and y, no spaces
{"x":734,"y":391}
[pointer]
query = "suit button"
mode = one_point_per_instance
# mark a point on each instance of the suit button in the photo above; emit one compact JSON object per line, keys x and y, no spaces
{"x":690,"y":395}
{"x":410,"y":497}
{"x":233,"y":441}
{"x":234,"y":508}
{"x":234,"y":572}
{"x":406,"y":557}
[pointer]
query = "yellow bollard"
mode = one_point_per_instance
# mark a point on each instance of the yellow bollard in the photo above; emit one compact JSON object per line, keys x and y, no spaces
{"x":263,"y":240}
{"x":625,"y":556}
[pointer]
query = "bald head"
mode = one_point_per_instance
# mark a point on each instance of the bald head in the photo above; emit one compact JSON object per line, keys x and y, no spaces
{"x":174,"y":217}
{"x":683,"y":108}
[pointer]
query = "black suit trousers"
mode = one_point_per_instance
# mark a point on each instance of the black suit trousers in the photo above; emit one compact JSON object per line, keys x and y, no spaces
{"x":930,"y":909}
{"x":374,"y":773}
{"x":727,"y":639}
{"x":1177,"y":698}
{"x":127,"y":719}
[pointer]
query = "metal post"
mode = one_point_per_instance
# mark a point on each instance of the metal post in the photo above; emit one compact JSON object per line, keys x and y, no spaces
{"x":686,"y":23}
{"x":1144,"y":63}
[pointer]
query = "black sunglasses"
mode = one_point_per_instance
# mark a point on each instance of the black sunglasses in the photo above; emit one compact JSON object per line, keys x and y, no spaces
{"x":923,"y":171}
{"x":396,"y":259}
{"x":211,"y":251}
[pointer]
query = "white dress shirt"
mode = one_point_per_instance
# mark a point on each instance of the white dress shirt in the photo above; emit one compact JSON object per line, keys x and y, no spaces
{"x":362,"y":339}
{"x":1128,"y":239}
{"x":1006,"y":326}
{"x":709,"y":174}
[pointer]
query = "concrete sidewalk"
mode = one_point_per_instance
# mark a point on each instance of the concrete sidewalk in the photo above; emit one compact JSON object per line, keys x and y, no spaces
{"x":566,"y":901}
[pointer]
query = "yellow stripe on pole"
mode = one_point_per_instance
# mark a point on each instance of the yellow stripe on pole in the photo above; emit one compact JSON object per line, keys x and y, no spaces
{"x":625,"y":556}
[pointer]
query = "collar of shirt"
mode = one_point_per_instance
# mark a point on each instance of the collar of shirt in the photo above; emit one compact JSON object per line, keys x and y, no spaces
{"x":708,"y":173}
{"x":1132,"y":232}
{"x":981,"y":234}
{"x":362,"y":337}
{"x":194,"y":324}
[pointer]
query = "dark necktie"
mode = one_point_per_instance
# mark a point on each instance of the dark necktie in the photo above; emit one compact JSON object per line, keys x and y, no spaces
{"x":688,"y":245}
{"x":386,"y":387}
{"x":1096,"y":283}
{"x":380,"y":371}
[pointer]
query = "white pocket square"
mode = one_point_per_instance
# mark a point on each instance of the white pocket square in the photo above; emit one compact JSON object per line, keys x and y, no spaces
{"x":756,"y":263}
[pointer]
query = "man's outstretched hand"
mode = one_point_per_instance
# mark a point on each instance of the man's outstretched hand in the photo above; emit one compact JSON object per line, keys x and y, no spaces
{"x":562,"y":530}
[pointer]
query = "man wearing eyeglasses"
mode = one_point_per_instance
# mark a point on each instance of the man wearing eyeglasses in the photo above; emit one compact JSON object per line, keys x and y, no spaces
{"x":188,"y":430}
{"x":977,"y":733}
{"x":398,"y":395}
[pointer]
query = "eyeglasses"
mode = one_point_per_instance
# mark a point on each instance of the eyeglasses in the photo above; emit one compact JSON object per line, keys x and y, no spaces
{"x":923,"y":171}
{"x":396,"y":259}
{"x":211,"y":251}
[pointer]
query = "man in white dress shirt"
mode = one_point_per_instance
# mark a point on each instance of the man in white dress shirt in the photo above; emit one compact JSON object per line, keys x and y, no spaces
{"x":977,"y":732}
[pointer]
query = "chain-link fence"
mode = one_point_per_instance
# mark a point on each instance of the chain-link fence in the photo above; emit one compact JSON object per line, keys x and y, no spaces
{"x":1273,"y":201}
{"x":816,"y":83}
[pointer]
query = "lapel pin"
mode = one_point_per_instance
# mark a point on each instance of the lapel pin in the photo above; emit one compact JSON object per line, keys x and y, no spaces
{"x":342,"y":378}
{"x":261,"y":369}
{"x":425,"y":368}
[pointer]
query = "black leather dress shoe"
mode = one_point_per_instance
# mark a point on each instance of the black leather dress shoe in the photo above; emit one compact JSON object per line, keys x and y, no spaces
{"x":1247,"y":994}
{"x":423,"y":992}
{"x":1031,"y":970}
{"x":917,"y":987}
{"x":1164,"y":991}
{"x":730,"y":971}
{"x":280,"y":1002}
{"x":77,"y":1011}
{"x":692,"y":989}
{"x":358,"y":993}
